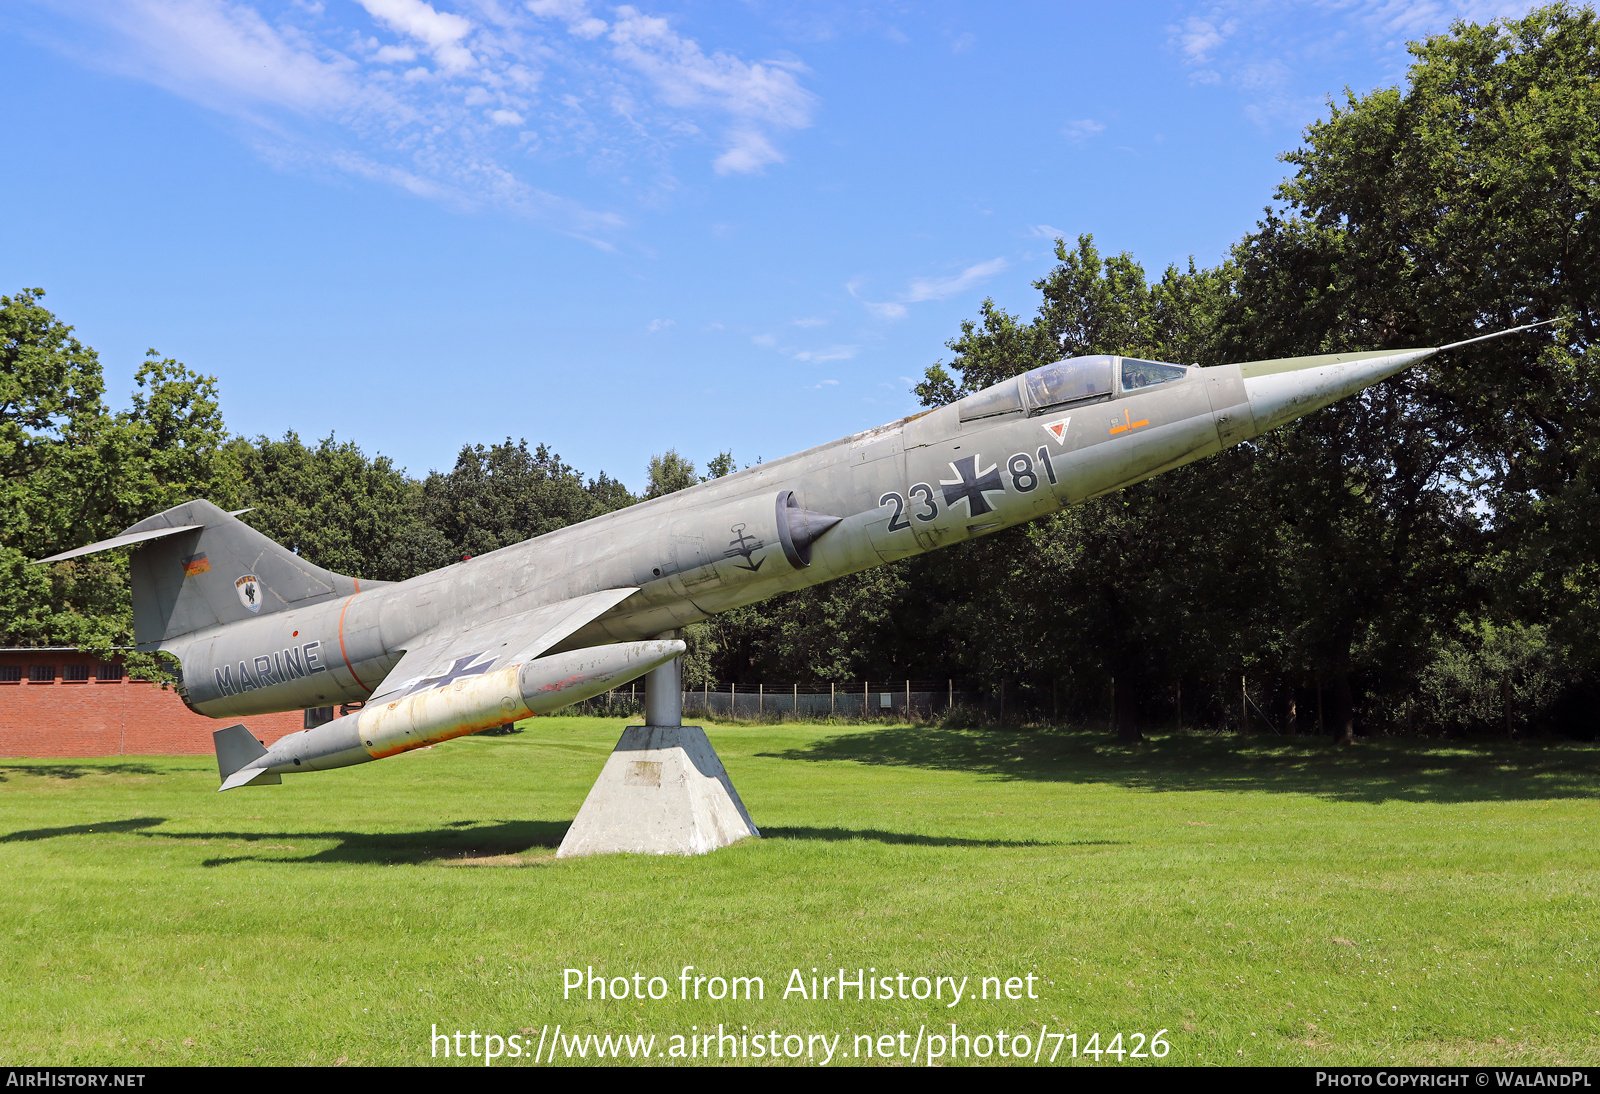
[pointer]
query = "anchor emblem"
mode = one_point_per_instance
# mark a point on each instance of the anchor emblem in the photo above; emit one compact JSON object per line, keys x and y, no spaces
{"x":744,"y":546}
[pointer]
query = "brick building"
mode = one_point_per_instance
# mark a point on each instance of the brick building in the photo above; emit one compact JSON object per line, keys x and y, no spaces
{"x":59,"y":701}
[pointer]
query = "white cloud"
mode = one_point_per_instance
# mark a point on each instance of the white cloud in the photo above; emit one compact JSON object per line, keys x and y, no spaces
{"x":922,"y":289}
{"x":395,"y":55}
{"x":809,"y":321}
{"x":446,"y":98}
{"x":1082,"y":129}
{"x":756,"y":96}
{"x":1045,"y":231}
{"x":1264,"y":50}
{"x":231,"y":56}
{"x":832,"y":353}
{"x":887,"y":310}
{"x":750,"y":151}
{"x":660,"y":325}
{"x":941,"y":288}
{"x":1197,"y":38}
{"x":440,"y":31}
{"x":765,"y":340}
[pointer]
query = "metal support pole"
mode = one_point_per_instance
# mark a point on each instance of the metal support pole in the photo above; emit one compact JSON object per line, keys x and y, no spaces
{"x":663,"y":694}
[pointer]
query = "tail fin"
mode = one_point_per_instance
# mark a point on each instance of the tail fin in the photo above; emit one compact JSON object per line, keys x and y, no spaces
{"x":237,"y":748}
{"x":197,"y":566}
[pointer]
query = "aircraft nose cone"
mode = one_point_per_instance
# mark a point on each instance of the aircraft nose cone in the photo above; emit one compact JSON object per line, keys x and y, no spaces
{"x":1281,"y":391}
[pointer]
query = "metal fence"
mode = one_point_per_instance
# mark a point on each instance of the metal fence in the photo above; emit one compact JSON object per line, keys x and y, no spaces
{"x":857,"y":700}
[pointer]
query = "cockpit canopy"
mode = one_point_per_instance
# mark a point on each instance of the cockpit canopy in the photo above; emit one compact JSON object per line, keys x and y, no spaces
{"x":1067,"y":381}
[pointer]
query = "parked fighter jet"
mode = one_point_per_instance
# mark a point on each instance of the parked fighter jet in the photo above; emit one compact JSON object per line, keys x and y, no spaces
{"x":542,"y":624}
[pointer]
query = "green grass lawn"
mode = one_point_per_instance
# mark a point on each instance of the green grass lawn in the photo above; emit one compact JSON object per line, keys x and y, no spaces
{"x":1263,"y":901}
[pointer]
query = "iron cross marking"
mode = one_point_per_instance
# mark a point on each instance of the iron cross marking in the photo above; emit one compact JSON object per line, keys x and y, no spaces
{"x":972,"y":485}
{"x":463,"y":667}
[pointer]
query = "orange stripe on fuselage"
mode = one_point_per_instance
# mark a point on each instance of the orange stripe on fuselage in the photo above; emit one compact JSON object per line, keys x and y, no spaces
{"x":342,"y":653}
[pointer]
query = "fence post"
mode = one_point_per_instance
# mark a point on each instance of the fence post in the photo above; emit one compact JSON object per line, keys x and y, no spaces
{"x":795,"y":708}
{"x":732,"y":706}
{"x":950,"y":700}
{"x":864,"y":690}
{"x":1244,"y":713}
{"x":832,"y":701}
{"x":761,"y":700}
{"x":908,"y":700}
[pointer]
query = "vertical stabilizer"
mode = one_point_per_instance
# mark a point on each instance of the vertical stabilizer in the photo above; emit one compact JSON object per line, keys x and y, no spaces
{"x":223,"y":571}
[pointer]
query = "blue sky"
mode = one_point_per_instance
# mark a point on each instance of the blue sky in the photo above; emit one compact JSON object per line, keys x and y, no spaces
{"x":619,"y":229}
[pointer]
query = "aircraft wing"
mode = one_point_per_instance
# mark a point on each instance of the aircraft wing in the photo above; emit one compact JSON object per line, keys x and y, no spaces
{"x":441,"y":658}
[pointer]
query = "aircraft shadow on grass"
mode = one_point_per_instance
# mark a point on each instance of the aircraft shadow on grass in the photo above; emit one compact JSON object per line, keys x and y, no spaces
{"x":841,"y":835}
{"x":76,"y":771}
{"x":455,"y":841}
{"x":1372,"y":771}
{"x":133,"y":824}
{"x":459,"y":840}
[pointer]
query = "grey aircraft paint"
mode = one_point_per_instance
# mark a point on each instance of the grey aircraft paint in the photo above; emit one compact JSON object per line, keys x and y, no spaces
{"x":547,"y":622}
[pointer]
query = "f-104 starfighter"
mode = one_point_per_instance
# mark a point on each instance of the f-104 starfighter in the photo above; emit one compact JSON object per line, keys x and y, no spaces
{"x":545,"y":623}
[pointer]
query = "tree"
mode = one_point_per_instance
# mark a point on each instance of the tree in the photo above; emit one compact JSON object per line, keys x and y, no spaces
{"x":504,"y":494}
{"x":669,"y":473}
{"x":1417,"y":216}
{"x":71,"y":472}
{"x":332,"y":504}
{"x":719,"y":465}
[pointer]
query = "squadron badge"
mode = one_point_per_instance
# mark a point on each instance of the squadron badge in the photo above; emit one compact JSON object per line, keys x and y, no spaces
{"x":249,"y":589}
{"x":1057,"y":428}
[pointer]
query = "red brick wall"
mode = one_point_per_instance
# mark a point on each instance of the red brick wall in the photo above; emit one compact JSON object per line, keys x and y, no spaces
{"x":108,"y":717}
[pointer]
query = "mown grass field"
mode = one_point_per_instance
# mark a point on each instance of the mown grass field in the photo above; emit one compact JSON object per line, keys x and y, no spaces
{"x":1264,"y":901}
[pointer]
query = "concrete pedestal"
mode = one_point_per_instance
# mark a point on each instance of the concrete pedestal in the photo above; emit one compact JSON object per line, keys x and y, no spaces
{"x":663,"y":792}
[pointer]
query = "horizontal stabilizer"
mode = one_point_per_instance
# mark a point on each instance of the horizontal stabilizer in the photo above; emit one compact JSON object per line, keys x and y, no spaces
{"x":237,"y":748}
{"x":121,"y":541}
{"x":250,"y":776}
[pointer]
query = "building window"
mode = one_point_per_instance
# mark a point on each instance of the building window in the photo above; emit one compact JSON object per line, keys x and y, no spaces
{"x":10,"y":674}
{"x":41,"y":674}
{"x":108,"y":672}
{"x":316,"y":716}
{"x":75,"y":674}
